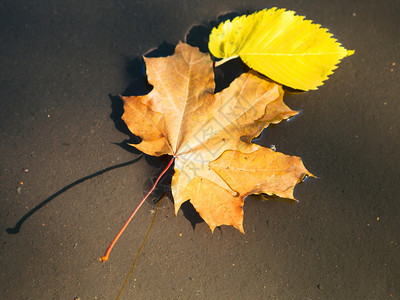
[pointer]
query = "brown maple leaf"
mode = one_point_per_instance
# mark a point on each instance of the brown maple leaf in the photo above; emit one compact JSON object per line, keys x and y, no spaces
{"x":209,"y":135}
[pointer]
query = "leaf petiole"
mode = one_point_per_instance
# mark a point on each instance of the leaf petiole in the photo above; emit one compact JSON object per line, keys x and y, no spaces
{"x":222,"y":61}
{"x":107,"y":253}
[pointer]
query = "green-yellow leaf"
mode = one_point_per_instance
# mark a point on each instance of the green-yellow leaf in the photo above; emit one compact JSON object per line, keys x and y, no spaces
{"x":281,"y":45}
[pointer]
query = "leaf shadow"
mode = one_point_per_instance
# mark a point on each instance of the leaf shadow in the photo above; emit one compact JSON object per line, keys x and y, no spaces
{"x":16,"y":229}
{"x":274,"y":198}
{"x":198,"y":36}
{"x":138,"y":86}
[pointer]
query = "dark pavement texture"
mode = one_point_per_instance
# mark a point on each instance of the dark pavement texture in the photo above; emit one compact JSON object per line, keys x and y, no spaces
{"x":59,"y":63}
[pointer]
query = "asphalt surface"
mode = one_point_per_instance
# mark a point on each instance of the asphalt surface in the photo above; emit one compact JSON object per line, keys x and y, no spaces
{"x":62,"y":66}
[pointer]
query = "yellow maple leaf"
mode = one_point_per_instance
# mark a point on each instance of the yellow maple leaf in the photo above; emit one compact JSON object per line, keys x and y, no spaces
{"x":281,"y":45}
{"x":209,"y":135}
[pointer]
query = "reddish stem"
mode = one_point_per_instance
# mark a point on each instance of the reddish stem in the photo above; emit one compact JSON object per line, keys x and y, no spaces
{"x":107,"y":253}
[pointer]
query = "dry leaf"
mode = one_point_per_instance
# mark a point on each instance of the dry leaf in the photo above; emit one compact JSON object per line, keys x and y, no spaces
{"x":281,"y":45}
{"x":216,"y":165}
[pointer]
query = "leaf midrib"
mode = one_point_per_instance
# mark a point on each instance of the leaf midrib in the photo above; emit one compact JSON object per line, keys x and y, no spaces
{"x":291,"y":54}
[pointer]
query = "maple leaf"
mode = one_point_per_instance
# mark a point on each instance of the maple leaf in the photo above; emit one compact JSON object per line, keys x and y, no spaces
{"x":281,"y":45}
{"x":209,"y":135}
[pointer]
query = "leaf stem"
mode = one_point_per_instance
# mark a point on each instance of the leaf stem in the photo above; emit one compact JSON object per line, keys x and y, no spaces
{"x":222,"y":61}
{"x":107,"y":253}
{"x":139,"y":252}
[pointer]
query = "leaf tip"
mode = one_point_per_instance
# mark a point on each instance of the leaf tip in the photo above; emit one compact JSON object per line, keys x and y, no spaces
{"x":212,"y":227}
{"x":350,"y":52}
{"x":177,"y":206}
